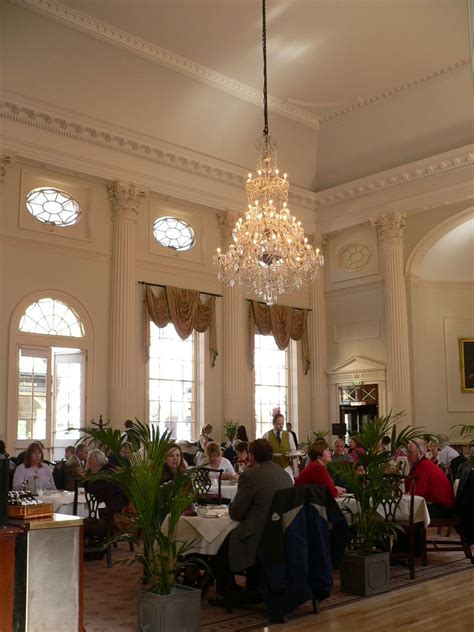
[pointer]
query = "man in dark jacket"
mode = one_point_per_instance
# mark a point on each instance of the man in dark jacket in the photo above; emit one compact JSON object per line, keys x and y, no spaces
{"x":257,"y":486}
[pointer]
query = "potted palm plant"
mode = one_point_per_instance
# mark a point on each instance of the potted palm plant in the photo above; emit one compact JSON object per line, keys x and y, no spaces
{"x":164,"y":605}
{"x":366,"y":567}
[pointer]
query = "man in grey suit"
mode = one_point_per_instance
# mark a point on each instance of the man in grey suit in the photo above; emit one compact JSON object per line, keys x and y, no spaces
{"x":250,"y":507}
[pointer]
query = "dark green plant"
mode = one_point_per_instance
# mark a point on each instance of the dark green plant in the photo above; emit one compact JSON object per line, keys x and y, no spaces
{"x":140,"y":479}
{"x":374,"y":487}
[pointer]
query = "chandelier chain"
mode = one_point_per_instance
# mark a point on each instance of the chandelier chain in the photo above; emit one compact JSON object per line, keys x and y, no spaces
{"x":265,"y":80}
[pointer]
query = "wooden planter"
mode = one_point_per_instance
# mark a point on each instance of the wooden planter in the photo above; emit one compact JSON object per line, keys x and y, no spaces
{"x":365,"y":574}
{"x":20,"y":512}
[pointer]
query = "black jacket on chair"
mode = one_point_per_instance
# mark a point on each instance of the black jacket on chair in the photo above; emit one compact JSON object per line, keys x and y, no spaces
{"x":294,"y":552}
{"x":464,"y":506}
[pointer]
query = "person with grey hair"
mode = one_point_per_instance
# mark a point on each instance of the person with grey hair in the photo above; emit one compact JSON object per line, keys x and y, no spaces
{"x":446,"y":453}
{"x":96,"y":460}
{"x":431,"y":482}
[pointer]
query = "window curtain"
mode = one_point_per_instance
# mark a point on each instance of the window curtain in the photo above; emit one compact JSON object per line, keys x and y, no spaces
{"x":187,"y":312}
{"x":283,"y":323}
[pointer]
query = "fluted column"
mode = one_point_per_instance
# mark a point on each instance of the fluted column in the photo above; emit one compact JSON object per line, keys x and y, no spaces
{"x":390,"y":229}
{"x":318,"y":349}
{"x":235,"y":400}
{"x":124,"y":200}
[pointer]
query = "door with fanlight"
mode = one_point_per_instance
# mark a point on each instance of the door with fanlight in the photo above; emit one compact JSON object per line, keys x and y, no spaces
{"x":51,"y":397}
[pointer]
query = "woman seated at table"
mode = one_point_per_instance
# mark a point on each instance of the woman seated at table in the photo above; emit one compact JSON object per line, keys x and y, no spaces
{"x":174,"y":462}
{"x":215,"y":461}
{"x":315,"y":473}
{"x":356,"y":449}
{"x":242,"y":460}
{"x":33,"y":472}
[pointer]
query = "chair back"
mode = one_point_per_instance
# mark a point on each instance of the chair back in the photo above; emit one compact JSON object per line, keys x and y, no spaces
{"x":202,"y":481}
{"x":394,"y":493}
{"x":92,"y":505}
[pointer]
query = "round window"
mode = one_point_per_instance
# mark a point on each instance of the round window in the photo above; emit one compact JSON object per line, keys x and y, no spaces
{"x":174,"y":233}
{"x":52,"y":206}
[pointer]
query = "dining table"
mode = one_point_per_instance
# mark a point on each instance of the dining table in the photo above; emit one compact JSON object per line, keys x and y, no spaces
{"x":204,"y":533}
{"x":228,"y":489}
{"x":63,"y":502}
{"x":420,"y":509}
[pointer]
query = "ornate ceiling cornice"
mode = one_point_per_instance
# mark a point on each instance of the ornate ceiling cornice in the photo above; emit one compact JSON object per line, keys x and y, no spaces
{"x":151,"y":52}
{"x":404,"y":87}
{"x":413,"y":172}
{"x":19,"y":109}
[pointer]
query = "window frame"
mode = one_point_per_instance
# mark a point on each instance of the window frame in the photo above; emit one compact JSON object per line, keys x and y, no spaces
{"x":44,"y":342}
{"x":198,"y":385}
{"x":292,"y":389}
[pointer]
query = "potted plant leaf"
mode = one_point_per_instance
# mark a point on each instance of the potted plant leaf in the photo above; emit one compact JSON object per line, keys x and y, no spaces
{"x":164,"y":605}
{"x":366,"y":567}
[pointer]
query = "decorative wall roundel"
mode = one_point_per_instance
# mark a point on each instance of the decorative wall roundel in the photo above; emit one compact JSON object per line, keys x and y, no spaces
{"x":53,"y":206}
{"x":174,"y":233}
{"x":354,"y":257}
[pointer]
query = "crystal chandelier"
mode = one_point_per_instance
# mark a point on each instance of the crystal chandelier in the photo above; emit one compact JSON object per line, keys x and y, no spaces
{"x":269,"y":254}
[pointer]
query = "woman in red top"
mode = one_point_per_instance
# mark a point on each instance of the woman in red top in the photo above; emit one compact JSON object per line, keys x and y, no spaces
{"x":315,"y":473}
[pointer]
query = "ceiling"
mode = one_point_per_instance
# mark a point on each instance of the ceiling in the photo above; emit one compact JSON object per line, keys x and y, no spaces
{"x":325,"y":52}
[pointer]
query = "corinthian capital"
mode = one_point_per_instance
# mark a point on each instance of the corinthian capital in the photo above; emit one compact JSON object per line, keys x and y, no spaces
{"x":390,"y":226}
{"x":226,"y":222}
{"x":5,"y":161}
{"x":124,"y":198}
{"x":318,"y":241}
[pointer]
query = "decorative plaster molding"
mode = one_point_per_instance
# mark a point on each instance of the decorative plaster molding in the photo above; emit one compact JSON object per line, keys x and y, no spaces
{"x":361,"y":330}
{"x":354,"y":256}
{"x":355,"y":289}
{"x":72,"y":125}
{"x":226,"y":223}
{"x":5,"y":161}
{"x":124,"y":198}
{"x":387,"y":94}
{"x":416,"y":281}
{"x":54,"y":249}
{"x":192,"y":272}
{"x":390,"y":226}
{"x":151,"y":52}
{"x":409,"y":173}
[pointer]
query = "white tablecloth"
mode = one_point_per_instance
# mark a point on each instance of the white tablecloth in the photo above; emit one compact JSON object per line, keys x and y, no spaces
{"x":207,"y":533}
{"x":62,"y":502}
{"x":420,"y":510}
{"x":227,"y":491}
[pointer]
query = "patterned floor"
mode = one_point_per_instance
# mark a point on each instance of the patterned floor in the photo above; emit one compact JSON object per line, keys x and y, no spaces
{"x":110,"y":600}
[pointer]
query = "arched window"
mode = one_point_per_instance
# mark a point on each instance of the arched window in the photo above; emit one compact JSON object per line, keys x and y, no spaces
{"x":53,"y":318}
{"x":49,"y":346}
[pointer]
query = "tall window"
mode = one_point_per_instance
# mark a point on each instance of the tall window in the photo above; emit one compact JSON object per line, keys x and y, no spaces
{"x":51,"y":375}
{"x":271,"y":382}
{"x":173,"y":381}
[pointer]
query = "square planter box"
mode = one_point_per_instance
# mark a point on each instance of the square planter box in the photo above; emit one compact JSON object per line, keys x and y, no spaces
{"x":365,"y":574}
{"x":178,"y":612}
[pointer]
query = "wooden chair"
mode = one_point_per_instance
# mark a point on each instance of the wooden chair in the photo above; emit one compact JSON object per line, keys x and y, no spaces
{"x":202,"y":483}
{"x":390,"y":507}
{"x":97,"y":529}
{"x":463,"y":497}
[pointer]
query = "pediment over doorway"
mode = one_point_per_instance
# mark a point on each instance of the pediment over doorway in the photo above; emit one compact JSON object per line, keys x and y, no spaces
{"x":356,"y":364}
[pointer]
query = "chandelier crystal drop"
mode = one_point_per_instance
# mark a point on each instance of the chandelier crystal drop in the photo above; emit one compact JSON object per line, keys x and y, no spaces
{"x":269,"y":254}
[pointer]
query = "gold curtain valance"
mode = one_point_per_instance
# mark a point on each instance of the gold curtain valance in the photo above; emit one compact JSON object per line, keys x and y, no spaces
{"x":283,"y":323}
{"x":187,"y":312}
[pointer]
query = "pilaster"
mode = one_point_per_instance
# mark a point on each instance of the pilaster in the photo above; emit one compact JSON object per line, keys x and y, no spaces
{"x":390,"y":230}
{"x":318,"y":347}
{"x":124,"y":199}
